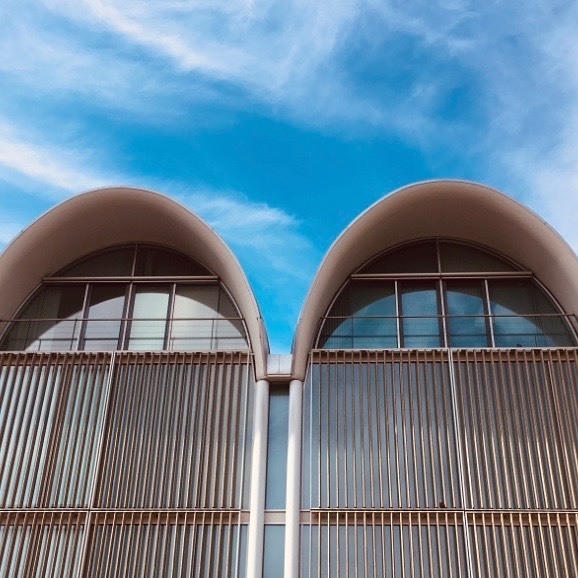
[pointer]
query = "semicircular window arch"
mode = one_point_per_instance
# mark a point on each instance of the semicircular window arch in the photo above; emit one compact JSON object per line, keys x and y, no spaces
{"x":130,"y":297}
{"x":443,"y":293}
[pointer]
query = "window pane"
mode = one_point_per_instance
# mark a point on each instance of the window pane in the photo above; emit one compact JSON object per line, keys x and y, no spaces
{"x":465,"y":308}
{"x":273,"y":549}
{"x":416,"y":258}
{"x":160,"y":262}
{"x":525,"y":317}
{"x":105,"y":313}
{"x":336,"y":334}
{"x":194,"y":313}
{"x":373,"y":324}
{"x":456,"y":258}
{"x":61,"y":307}
{"x":150,"y":312}
{"x":277,"y":448}
{"x":420,"y":311}
{"x":112,"y":263}
{"x":374,"y":333}
{"x":372,"y":298}
{"x":229,"y":335}
{"x":193,"y":301}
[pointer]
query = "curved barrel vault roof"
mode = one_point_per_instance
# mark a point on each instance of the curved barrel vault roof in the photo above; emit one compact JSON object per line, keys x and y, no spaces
{"x":443,"y":208}
{"x":110,"y":216}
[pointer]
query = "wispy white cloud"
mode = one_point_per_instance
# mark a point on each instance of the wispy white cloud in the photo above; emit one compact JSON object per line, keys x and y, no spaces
{"x":298,"y":56}
{"x":59,"y":172}
{"x":320,"y":65}
{"x":251,"y":228}
{"x":56,"y":170}
{"x":265,"y":237}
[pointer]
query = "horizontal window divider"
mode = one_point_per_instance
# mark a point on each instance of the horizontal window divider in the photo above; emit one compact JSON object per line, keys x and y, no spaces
{"x":40,"y":358}
{"x":385,"y":517}
{"x":40,"y":517}
{"x":358,"y":355}
{"x":97,"y":319}
{"x":494,"y":518}
{"x":433,"y":275}
{"x":201,"y":280}
{"x":274,"y":517}
{"x":511,"y":518}
{"x":378,"y":355}
{"x":169,"y":357}
{"x":94,"y":358}
{"x":170,"y":517}
{"x":43,"y":517}
{"x":454,"y":316}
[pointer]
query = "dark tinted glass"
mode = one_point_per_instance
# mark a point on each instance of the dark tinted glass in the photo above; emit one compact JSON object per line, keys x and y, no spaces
{"x":457,"y":258}
{"x":415,"y":258}
{"x":150,"y":262}
{"x":112,"y":263}
{"x":373,"y":308}
{"x":525,"y":317}
{"x":159,"y":262}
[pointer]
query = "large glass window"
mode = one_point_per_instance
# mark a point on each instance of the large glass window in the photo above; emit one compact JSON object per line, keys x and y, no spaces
{"x":439,"y":293}
{"x":420,"y":314}
{"x":467,"y":324}
{"x":136,"y":297}
{"x":364,"y":315}
{"x":105,"y":311}
{"x":524,"y":317}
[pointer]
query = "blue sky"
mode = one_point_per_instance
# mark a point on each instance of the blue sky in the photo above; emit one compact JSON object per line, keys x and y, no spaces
{"x":278,"y":122}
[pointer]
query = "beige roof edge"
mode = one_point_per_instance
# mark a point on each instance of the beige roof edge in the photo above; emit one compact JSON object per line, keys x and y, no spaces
{"x":439,"y":208}
{"x":107,"y":216}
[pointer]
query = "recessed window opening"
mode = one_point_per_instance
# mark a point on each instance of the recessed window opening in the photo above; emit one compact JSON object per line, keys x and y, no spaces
{"x":136,"y":297}
{"x":442,"y":293}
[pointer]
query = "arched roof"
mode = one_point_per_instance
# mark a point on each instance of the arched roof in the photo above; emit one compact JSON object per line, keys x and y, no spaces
{"x":100,"y":218}
{"x":455,"y":209}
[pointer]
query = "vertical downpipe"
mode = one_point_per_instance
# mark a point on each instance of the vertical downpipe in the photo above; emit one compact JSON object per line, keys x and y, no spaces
{"x":258,"y":480}
{"x":293,"y":502}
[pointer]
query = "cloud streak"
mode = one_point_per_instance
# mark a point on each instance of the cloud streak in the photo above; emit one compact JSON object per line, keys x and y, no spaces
{"x":249,"y":227}
{"x":265,"y":237}
{"x":51,"y":169}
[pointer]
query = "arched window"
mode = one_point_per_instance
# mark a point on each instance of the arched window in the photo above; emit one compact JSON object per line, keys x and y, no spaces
{"x":135,"y":297}
{"x":442,"y":293}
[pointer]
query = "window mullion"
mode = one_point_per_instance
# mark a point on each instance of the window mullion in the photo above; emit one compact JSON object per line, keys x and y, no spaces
{"x":398,"y":314}
{"x":84,"y":317}
{"x":169,"y":318}
{"x":489,"y":316}
{"x":442,"y":303}
{"x":127,"y":316}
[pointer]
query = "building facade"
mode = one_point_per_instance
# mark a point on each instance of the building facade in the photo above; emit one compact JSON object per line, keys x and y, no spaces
{"x":424,"y":423}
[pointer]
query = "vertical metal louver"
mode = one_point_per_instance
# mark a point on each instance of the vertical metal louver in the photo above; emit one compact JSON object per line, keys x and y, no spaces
{"x":441,"y":462}
{"x":124,"y":463}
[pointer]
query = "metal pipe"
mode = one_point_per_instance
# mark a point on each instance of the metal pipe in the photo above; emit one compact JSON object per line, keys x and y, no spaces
{"x":293,"y":499}
{"x":258,"y":480}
